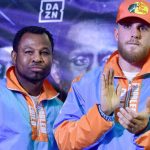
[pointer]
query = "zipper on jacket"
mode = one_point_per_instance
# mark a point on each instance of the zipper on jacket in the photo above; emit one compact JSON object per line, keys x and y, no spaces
{"x":129,"y":90}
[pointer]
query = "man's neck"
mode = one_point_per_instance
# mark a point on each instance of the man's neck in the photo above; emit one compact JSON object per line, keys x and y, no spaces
{"x":130,"y":67}
{"x":32,"y":88}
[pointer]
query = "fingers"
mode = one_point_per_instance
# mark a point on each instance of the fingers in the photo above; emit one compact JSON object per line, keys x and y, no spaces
{"x":107,"y":77}
{"x":131,"y":112}
{"x":103,"y":84}
{"x":111,"y":76}
{"x":130,"y":120}
{"x":125,"y":119}
{"x":118,"y":90}
{"x":134,"y":117}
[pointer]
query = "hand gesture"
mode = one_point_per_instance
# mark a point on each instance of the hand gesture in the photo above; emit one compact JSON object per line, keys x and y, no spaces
{"x":109,"y":96}
{"x":132,"y":121}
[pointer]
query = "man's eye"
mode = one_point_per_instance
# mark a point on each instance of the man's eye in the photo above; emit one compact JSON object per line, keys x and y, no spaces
{"x":80,"y":61}
{"x":45,"y":52}
{"x":127,"y":26}
{"x":28,"y":52}
{"x":143,"y":28}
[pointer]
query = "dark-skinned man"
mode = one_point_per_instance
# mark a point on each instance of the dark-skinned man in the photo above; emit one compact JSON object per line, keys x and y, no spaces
{"x":28,"y":102}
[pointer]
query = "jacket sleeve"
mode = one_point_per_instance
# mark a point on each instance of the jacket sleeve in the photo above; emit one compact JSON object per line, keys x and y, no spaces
{"x":144,"y":138}
{"x":76,"y":128}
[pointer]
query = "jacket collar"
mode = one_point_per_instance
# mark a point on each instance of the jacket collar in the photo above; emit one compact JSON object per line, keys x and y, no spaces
{"x":48,"y":91}
{"x":113,"y":63}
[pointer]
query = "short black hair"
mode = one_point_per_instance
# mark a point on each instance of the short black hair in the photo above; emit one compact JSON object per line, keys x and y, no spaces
{"x":31,"y":29}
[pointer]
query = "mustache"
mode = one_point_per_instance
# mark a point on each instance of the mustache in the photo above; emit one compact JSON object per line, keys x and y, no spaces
{"x":36,"y":64}
{"x":133,"y":41}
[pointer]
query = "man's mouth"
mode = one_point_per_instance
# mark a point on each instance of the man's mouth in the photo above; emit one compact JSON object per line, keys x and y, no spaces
{"x":134,"y":43}
{"x":36,"y":68}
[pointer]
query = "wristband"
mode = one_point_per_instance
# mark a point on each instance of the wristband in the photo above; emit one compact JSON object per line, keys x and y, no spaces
{"x":106,"y":117}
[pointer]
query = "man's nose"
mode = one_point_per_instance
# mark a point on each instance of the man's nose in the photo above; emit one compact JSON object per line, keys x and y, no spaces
{"x":135,"y":32}
{"x":37,"y":57}
{"x":94,"y":63}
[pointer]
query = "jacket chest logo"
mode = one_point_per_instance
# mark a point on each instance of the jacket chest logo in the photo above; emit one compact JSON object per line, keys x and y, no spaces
{"x":130,"y":97}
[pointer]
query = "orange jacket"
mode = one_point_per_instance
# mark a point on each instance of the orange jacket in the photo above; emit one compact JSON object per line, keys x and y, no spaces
{"x":80,"y":125}
{"x":22,"y":125}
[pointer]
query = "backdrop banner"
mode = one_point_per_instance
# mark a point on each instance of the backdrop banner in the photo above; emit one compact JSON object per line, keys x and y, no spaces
{"x":83,"y":32}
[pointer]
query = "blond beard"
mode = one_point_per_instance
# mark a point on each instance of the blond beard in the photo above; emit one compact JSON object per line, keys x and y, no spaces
{"x":133,"y":57}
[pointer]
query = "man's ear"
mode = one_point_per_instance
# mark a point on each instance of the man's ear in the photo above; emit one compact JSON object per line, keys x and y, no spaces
{"x":14,"y":57}
{"x":116,"y":33}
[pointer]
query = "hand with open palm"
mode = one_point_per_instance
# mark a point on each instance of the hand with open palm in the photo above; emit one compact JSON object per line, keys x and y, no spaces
{"x":109,"y":96}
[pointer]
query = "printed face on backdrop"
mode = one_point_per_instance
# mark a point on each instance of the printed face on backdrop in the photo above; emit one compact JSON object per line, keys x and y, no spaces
{"x":5,"y":60}
{"x":64,"y":68}
{"x":92,"y":44}
{"x":34,"y":57}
